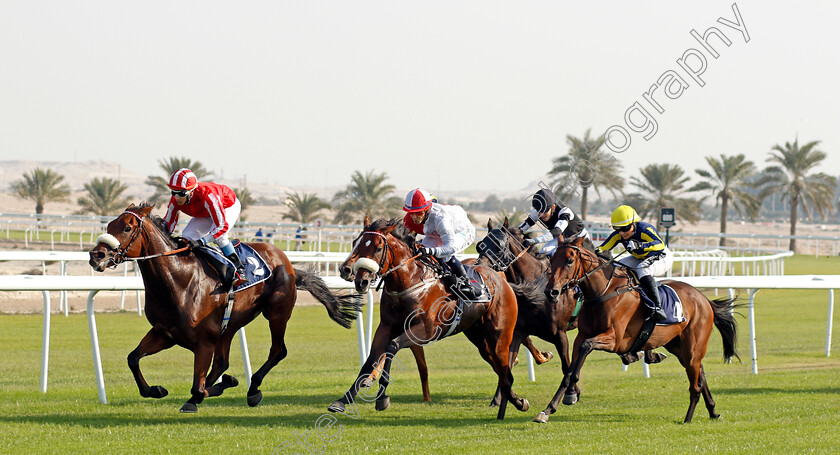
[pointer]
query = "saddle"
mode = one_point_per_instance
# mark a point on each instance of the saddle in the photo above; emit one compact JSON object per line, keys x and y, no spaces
{"x":256,"y":270}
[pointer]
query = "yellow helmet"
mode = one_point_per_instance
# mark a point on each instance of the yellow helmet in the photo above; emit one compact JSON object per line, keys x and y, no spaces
{"x":624,"y":215}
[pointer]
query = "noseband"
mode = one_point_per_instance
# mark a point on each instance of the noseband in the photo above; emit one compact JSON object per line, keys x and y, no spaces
{"x":121,"y":251}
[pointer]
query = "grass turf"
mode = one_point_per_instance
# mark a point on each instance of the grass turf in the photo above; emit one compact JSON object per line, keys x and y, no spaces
{"x":791,"y":406}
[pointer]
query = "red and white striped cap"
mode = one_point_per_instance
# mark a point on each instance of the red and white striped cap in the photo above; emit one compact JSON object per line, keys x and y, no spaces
{"x":417,"y":200}
{"x":183,"y":179}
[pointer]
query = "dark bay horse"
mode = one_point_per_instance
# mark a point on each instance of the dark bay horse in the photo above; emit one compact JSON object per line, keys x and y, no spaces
{"x":611,"y":322}
{"x":347,"y":273}
{"x":185,"y":303}
{"x":417,"y":309}
{"x":548,"y":320}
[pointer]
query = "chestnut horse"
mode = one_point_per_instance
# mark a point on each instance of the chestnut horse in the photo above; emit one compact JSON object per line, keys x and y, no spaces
{"x":417,"y":309}
{"x":346,"y":272}
{"x":185,"y":302}
{"x":612,"y":317}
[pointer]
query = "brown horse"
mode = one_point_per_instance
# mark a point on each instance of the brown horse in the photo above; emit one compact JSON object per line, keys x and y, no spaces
{"x":346,"y":272}
{"x":417,"y":309}
{"x":612,"y":317}
{"x":185,"y":302}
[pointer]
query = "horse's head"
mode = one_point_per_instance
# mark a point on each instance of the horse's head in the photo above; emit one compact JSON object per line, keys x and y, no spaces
{"x":376,"y":251}
{"x":122,"y":238}
{"x":501,"y":247}
{"x":346,"y":270}
{"x":568,"y":265}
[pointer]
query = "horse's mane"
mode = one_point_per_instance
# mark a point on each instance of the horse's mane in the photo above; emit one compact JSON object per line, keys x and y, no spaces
{"x":401,"y":232}
{"x":157,"y":222}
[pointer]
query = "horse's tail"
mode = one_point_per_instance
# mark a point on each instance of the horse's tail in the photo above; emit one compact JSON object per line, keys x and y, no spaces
{"x":342,"y":308}
{"x":725,"y":322}
{"x":531,"y":291}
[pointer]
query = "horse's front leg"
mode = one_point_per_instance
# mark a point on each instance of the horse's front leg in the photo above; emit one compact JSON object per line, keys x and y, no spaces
{"x":201,"y":363}
{"x":562,"y":344}
{"x":582,"y":348}
{"x":152,"y":343}
{"x":377,"y":349}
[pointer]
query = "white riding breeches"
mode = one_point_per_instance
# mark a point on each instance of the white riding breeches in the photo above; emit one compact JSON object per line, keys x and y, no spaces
{"x":200,"y":227}
{"x":655,"y":266}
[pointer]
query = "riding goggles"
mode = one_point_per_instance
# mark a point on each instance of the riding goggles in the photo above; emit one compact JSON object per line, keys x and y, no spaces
{"x":181,"y":193}
{"x":623,"y":228}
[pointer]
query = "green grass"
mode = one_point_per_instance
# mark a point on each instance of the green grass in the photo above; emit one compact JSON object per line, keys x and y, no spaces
{"x":791,"y":406}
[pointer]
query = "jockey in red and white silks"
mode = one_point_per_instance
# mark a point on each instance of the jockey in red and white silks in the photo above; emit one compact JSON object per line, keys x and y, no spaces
{"x":447,"y":230}
{"x":213,"y":207}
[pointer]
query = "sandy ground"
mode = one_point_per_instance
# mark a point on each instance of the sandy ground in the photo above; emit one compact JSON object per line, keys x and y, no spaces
{"x":32,"y":302}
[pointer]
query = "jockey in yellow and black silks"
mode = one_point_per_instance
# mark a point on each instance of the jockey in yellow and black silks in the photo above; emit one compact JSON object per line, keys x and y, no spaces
{"x":649,"y":256}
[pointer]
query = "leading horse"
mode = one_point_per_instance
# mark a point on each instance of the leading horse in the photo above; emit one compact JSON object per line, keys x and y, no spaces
{"x":417,"y":309}
{"x":612,"y":318}
{"x":185,"y":302}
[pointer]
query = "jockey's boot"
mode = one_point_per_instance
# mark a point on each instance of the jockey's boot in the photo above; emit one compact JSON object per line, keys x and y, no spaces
{"x":649,"y":285}
{"x":462,"y":283}
{"x":240,"y":269}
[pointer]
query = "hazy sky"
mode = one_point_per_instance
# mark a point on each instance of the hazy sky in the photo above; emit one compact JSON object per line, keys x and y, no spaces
{"x":448,"y":95}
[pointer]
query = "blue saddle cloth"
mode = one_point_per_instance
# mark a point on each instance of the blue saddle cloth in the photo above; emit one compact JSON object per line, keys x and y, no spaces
{"x":671,"y":305}
{"x":477,"y":283}
{"x":256,"y":269}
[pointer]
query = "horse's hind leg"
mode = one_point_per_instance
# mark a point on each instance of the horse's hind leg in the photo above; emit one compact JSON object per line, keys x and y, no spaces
{"x":540,"y":357}
{"x":221,"y":363}
{"x":203,"y":356}
{"x":278,"y":352}
{"x":152,"y":343}
{"x":707,"y":395}
{"x":420,"y":358}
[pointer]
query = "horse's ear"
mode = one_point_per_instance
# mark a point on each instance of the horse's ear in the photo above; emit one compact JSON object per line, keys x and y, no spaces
{"x":146,"y":210}
{"x":507,"y":223}
{"x":130,"y":206}
{"x":367,"y":220}
{"x":489,"y":224}
{"x":389,"y":229}
{"x":578,"y":241}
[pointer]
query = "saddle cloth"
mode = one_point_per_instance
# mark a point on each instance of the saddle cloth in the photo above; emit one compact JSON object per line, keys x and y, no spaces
{"x":256,"y":269}
{"x":671,"y":305}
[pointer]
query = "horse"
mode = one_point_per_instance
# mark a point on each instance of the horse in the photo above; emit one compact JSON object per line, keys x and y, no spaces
{"x":416,"y":309}
{"x":186,"y":302}
{"x":502,"y":250}
{"x":346,"y":272}
{"x":613,"y":315}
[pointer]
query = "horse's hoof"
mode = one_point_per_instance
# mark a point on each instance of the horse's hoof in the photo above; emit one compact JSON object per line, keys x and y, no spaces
{"x":366,"y":382}
{"x":493,"y":404}
{"x":570,"y":399}
{"x":542,"y":417}
{"x":337,"y":406}
{"x":525,"y":405}
{"x":254,"y":399}
{"x":515,"y":362}
{"x":229,"y":381}
{"x":548,"y":356}
{"x":189,"y":408}
{"x":383,"y":403}
{"x":714,"y":416}
{"x":157,"y":391}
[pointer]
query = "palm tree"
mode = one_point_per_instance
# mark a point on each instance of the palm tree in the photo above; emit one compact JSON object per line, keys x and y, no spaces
{"x":104,"y":197}
{"x":168,"y":166}
{"x":305,"y":207}
{"x":367,"y":194}
{"x":662,"y":185}
{"x":41,"y":186}
{"x":791,"y":178}
{"x":586,"y":165}
{"x":727,"y":182}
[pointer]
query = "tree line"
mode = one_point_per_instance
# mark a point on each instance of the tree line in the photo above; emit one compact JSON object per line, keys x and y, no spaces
{"x":733,"y":182}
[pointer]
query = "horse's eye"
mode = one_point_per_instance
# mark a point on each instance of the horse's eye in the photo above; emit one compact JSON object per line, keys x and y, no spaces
{"x":127,"y":229}
{"x":379,"y":249}
{"x":571,"y":263}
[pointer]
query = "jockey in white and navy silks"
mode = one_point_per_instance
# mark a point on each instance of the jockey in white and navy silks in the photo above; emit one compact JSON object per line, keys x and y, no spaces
{"x":562,"y":223}
{"x":447,"y":230}
{"x":213,"y":207}
{"x":649,"y":256}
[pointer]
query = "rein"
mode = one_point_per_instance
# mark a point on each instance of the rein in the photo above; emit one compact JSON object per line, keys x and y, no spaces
{"x":120,"y":255}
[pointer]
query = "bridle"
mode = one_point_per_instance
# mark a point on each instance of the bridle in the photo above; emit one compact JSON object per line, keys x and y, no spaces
{"x":121,"y":251}
{"x":579,"y":270}
{"x":380,"y":273}
{"x":506,"y":254}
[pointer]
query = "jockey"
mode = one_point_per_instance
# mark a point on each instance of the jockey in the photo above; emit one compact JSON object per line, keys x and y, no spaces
{"x":446,"y":230}
{"x":563,"y":225}
{"x":649,"y":256}
{"x":214,"y":209}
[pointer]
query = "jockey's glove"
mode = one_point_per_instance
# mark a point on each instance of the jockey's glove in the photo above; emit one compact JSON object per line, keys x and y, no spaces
{"x":528,"y":242}
{"x":427,"y":251}
{"x":197,"y":243}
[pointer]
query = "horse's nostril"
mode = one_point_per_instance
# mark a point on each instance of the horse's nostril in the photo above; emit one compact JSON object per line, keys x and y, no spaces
{"x":555,"y":293}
